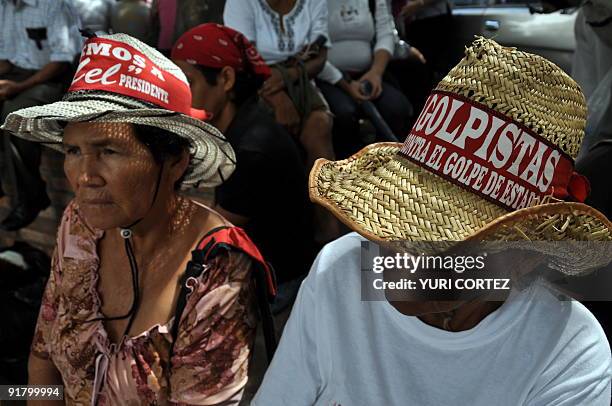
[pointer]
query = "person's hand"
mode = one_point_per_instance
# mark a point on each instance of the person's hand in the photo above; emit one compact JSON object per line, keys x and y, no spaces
{"x":414,"y":53}
{"x":8,"y":88}
{"x":285,"y":112}
{"x":375,"y":80}
{"x":411,"y":8}
{"x":353,"y":89}
{"x":273,"y":84}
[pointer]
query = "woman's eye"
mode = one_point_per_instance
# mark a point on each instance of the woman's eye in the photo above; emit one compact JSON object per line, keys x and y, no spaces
{"x":71,"y":150}
{"x":108,"y":151}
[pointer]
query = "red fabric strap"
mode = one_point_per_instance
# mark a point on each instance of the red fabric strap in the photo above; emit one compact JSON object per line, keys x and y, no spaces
{"x":237,"y":238}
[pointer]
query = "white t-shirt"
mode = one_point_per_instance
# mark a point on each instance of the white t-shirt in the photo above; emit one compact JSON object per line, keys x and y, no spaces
{"x":337,"y":350}
{"x":262,"y":25}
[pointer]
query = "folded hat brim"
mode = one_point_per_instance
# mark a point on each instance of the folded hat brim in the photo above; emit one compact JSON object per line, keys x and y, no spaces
{"x":212,"y":157}
{"x":387,"y":198}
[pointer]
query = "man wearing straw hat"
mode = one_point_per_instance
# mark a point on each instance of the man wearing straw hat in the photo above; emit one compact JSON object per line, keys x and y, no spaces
{"x":489,"y":159}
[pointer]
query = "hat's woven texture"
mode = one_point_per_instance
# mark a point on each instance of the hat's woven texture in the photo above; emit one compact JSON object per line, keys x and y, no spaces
{"x":385,"y":197}
{"x":528,"y":88}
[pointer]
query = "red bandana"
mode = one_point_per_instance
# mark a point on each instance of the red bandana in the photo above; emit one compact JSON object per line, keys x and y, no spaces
{"x":216,"y":46}
{"x":117,"y":67}
{"x":488,"y":153}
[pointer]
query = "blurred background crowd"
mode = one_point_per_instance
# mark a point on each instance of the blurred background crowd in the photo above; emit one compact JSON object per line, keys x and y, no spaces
{"x":347,"y":73}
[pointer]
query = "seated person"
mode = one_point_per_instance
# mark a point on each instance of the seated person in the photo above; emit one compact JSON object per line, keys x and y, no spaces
{"x":363,"y":44}
{"x":283,"y":32}
{"x":533,"y":349}
{"x":38,"y":42}
{"x":267,"y":194}
{"x":116,"y":325}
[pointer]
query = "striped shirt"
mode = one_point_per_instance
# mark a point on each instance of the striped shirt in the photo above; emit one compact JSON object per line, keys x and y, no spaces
{"x":34,"y":33}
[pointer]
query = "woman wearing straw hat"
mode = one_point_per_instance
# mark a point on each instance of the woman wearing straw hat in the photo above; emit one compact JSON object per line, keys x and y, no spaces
{"x":489,"y":159}
{"x":173,"y":330}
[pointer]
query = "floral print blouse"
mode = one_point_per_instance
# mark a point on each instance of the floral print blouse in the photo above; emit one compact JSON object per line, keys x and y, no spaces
{"x":210,"y":358}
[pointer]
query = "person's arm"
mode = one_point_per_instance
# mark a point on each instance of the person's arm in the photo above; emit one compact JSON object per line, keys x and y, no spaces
{"x":383,"y":49}
{"x":376,"y":72}
{"x":61,"y":31}
{"x":319,"y":11}
{"x":275,"y":83}
{"x":215,"y":336}
{"x":51,"y":70}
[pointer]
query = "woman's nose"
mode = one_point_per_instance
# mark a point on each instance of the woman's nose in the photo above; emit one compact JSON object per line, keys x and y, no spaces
{"x":89,"y":174}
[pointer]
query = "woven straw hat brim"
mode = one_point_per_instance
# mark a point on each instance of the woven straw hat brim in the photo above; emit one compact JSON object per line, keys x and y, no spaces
{"x":386,"y":198}
{"x":212,"y":157}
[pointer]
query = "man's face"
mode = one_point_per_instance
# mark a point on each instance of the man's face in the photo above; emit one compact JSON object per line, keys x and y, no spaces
{"x":211,"y":98}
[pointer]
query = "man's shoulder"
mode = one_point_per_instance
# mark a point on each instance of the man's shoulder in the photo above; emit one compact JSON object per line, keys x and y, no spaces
{"x":340,"y":258}
{"x":569,"y":350}
{"x":583,"y":324}
{"x":568,"y":323}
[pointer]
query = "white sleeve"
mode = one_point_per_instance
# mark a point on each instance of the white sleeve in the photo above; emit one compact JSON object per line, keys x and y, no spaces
{"x":319,"y":27}
{"x":579,"y":374}
{"x":238,"y":14}
{"x":384,"y":28}
{"x":293,"y":377}
{"x":330,"y":73}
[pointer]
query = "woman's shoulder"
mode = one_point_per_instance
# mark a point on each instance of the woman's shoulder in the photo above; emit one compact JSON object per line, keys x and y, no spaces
{"x":224,"y":246}
{"x":218,"y":229}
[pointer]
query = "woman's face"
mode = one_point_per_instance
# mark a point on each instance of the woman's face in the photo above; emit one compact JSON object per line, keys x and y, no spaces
{"x":112,"y":174}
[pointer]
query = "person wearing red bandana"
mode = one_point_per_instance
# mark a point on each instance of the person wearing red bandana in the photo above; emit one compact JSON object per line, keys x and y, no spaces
{"x":269,"y":185}
{"x":292,"y":37}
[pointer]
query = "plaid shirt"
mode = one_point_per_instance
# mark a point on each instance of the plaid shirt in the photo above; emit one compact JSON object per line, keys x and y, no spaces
{"x":34,"y":33}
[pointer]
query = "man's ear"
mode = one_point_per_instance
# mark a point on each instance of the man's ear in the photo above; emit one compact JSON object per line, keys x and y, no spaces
{"x":227,"y":77}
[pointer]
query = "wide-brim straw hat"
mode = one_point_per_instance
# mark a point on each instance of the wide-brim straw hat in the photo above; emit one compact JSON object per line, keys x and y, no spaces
{"x":212,"y":159}
{"x":391,"y":192}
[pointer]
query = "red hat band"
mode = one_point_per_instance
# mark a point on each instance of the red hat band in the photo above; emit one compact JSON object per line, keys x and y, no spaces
{"x":116,"y":67}
{"x":489,"y":154}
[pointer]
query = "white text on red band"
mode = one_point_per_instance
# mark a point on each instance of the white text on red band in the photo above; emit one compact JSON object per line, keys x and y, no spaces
{"x":109,"y":76}
{"x":490,"y":154}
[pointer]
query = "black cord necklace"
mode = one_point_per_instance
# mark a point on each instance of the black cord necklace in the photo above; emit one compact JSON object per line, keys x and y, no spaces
{"x":126,"y":234}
